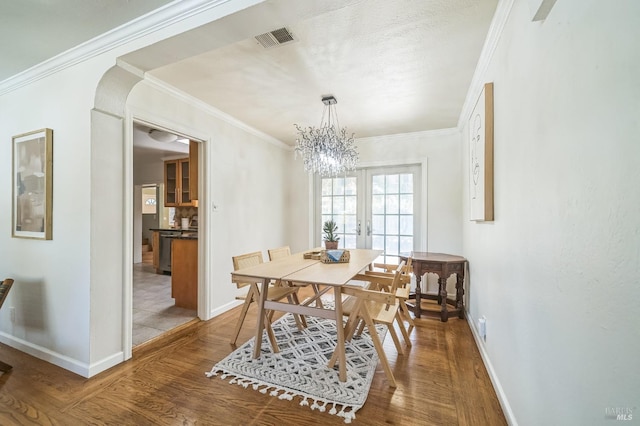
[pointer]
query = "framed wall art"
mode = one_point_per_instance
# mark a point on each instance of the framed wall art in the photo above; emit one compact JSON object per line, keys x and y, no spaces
{"x":481,"y":156}
{"x":32,"y":185}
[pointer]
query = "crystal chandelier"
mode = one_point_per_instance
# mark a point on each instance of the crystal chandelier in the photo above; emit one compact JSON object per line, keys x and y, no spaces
{"x":327,"y":150}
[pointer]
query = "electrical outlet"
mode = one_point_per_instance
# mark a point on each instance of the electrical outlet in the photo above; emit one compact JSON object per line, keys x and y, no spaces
{"x":482,"y":327}
{"x":12,"y":314}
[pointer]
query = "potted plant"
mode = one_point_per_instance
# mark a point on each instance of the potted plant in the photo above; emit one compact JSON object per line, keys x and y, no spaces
{"x":330,"y":238}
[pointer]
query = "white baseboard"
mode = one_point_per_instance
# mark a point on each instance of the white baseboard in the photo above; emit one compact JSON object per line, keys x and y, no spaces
{"x":106,"y":363}
{"x":224,"y":308}
{"x":45,"y":354}
{"x":502,"y":397}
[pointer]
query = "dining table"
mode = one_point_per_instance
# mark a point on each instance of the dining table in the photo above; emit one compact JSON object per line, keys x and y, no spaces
{"x":297,"y":269}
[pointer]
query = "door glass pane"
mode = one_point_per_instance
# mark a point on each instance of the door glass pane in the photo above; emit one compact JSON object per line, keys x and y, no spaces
{"x":338,"y":186}
{"x":391,"y":245}
{"x":392,"y":226}
{"x":392,"y":206}
{"x":406,"y":183}
{"x":339,"y":203}
{"x":350,"y":222}
{"x":377,"y":224}
{"x":377,"y":204}
{"x":326,"y":205}
{"x":377,"y":184}
{"x":349,"y":241}
{"x":350,"y":204}
{"x":351,"y":186}
{"x":377,"y":242}
{"x":406,"y":225}
{"x":406,"y":204}
{"x":327,"y":187}
{"x":406,"y":245}
{"x":392,"y":212}
{"x":393,"y":184}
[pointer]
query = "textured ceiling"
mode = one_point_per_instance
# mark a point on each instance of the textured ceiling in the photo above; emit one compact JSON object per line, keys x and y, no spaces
{"x":395,"y":66}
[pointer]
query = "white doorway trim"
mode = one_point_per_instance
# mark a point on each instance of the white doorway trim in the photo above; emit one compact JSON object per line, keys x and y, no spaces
{"x":424,"y":219}
{"x":204,"y":244}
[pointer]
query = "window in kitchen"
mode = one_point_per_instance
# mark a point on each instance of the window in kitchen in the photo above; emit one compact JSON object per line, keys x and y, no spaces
{"x":149,"y":199}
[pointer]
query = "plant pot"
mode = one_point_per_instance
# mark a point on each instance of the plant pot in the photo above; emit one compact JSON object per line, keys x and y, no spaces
{"x":331,"y":245}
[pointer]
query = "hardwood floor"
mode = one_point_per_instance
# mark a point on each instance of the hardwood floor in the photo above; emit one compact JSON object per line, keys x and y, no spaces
{"x":441,"y":381}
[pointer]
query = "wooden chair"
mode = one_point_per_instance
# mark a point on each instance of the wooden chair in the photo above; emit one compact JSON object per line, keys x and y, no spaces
{"x":5,"y":286}
{"x":278,"y":253}
{"x":373,"y":306}
{"x":402,"y":292}
{"x":391,"y":283}
{"x":274,"y":293}
{"x":284,"y":251}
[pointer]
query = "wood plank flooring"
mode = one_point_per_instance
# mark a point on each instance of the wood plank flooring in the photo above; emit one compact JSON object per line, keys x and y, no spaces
{"x":441,"y":381}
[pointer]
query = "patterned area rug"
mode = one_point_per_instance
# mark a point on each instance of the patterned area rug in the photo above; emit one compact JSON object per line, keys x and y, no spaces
{"x":300,"y":369}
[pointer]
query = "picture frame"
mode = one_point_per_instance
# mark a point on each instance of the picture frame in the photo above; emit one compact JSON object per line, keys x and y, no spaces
{"x":481,"y":157}
{"x":32,"y":183}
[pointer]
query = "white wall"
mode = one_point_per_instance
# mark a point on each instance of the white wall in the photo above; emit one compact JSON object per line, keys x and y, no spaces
{"x":244,"y":177}
{"x":556,"y":273}
{"x":51,"y":295}
{"x":68,"y":295}
{"x":439,"y":150}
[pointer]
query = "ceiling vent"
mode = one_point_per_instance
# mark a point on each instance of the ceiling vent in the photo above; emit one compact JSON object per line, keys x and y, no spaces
{"x":275,"y":38}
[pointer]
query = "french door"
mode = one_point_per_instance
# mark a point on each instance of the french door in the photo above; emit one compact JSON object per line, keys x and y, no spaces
{"x":377,"y":208}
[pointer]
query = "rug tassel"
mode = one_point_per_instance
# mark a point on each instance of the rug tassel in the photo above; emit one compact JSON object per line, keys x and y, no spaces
{"x":322,"y":408}
{"x":304,"y":402}
{"x":210,"y":374}
{"x":333,"y":411}
{"x":314,"y":405}
{"x":348,"y":416}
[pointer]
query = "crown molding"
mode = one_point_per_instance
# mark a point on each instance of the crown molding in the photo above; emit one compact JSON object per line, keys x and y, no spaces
{"x":491,"y":43}
{"x":424,"y":133}
{"x":153,"y":21}
{"x":197,"y":103}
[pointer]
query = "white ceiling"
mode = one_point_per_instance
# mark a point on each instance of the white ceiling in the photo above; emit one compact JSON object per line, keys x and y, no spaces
{"x":395,"y":66}
{"x":32,"y":31}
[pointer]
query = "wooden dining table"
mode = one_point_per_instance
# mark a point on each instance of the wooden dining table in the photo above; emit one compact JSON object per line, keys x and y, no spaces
{"x":297,"y":269}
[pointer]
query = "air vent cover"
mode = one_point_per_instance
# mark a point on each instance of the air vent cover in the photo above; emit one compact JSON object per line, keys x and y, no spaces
{"x":275,"y":38}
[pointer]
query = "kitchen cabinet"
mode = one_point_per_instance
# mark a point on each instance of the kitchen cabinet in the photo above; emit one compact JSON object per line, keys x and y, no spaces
{"x":156,"y":251}
{"x":181,"y":180}
{"x":176,"y":183}
{"x":184,"y":272}
{"x":193,"y":172}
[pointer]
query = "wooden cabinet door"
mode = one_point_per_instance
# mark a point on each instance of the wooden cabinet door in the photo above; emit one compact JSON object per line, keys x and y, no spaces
{"x":156,"y":250}
{"x":193,"y":172}
{"x":184,"y":192}
{"x":171,"y":183}
{"x":181,"y":181}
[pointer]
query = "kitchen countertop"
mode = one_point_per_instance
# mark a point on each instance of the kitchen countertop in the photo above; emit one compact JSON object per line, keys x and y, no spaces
{"x":174,"y":229}
{"x":178,"y":233}
{"x":183,"y":237}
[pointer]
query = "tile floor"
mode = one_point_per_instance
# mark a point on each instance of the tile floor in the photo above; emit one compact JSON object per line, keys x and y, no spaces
{"x":154,"y":312}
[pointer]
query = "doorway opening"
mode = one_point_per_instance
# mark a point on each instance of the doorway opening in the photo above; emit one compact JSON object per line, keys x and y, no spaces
{"x":165,"y":232}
